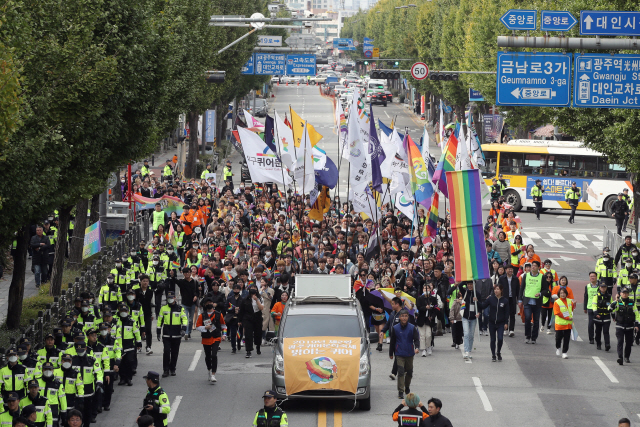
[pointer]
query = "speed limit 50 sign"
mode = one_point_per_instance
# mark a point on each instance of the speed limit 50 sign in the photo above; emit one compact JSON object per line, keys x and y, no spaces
{"x":419,"y":71}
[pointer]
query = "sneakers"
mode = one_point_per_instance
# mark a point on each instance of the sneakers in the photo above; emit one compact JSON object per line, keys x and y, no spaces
{"x":466,"y":356}
{"x":499,"y":357}
{"x":429,"y":351}
{"x":388,"y":340}
{"x":511,"y":334}
{"x":139,"y":350}
{"x":548,"y":331}
{"x":213,"y":378}
{"x":400,"y":394}
{"x":533,"y":341}
{"x":393,"y":377}
{"x":493,"y":358}
{"x":457,"y":347}
{"x":149,"y":351}
{"x":528,"y":341}
{"x":165,"y":374}
{"x":620,"y":362}
{"x":626,"y":360}
{"x":424,"y":353}
{"x":564,"y":356}
{"x":248,"y":355}
{"x":173,"y":373}
{"x":558,"y":352}
{"x":542,"y":328}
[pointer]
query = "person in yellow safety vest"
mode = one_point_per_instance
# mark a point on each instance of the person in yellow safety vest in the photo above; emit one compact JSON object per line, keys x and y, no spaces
{"x":156,"y":402}
{"x":572,"y":197}
{"x":207,"y":170}
{"x":547,"y":268}
{"x":71,"y":380}
{"x":171,"y":327}
{"x":121,"y":276}
{"x":512,"y":232}
{"x":563,"y":309}
{"x":624,"y":273}
{"x":602,"y":316}
{"x":13,"y":409}
{"x":53,"y":390}
{"x":227,"y":174}
{"x":536,"y":195}
{"x":144,"y":170}
{"x":40,"y":404}
{"x":517,"y":251}
{"x":167,"y":173}
{"x":590,"y":291}
{"x":627,"y":318}
{"x":606,"y":271}
{"x":110,"y":294}
{"x":159,"y":218}
{"x":503,"y":184}
{"x":13,"y":377}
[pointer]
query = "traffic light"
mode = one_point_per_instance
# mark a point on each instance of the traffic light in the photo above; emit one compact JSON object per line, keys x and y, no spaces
{"x":385,"y":74}
{"x":396,"y":64}
{"x":366,"y":62}
{"x":215,"y":76}
{"x":448,"y":77}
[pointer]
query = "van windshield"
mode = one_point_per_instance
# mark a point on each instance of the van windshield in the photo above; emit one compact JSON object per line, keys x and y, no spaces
{"x":376,"y":86}
{"x":318,"y":325}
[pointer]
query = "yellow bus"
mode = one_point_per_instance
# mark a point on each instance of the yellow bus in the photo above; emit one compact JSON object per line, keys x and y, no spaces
{"x":557,"y":164}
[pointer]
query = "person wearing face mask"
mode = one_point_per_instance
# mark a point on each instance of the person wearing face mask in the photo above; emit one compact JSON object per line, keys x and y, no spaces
{"x":24,"y":358}
{"x":624,"y":273}
{"x":91,"y":376}
{"x":53,"y":390}
{"x":157,"y":275}
{"x":86,"y":319}
{"x":250,"y":318}
{"x":269,"y":259}
{"x":136,"y":313}
{"x":606,"y":270}
{"x":214,"y":330}
{"x":135,"y":262}
{"x":38,"y":400}
{"x":143,"y":254}
{"x":171,"y":259}
{"x":112,"y":355}
{"x":71,"y":382}
{"x":129,"y":335}
{"x":121,"y":276}
{"x":110,"y":293}
{"x":49,"y":353}
{"x":284,"y":243}
{"x":234,"y":299}
{"x":172,"y":326}
{"x":13,"y":376}
{"x":97,"y":350}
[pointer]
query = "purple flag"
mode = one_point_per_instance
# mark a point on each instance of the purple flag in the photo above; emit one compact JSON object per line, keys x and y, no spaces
{"x":376,"y":152}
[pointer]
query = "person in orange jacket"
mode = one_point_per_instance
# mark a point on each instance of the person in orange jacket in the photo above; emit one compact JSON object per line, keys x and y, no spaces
{"x":563,"y":309}
{"x":530,"y":256}
{"x":214,"y":329}
{"x":278,"y":309}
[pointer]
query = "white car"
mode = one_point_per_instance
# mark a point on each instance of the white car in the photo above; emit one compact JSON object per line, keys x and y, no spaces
{"x":275,"y":79}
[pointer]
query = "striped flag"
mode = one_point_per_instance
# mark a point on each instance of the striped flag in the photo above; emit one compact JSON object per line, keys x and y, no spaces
{"x":447,"y":163}
{"x":431,"y":229}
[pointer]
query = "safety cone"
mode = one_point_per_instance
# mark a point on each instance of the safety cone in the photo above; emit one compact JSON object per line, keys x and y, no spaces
{"x":287,"y":82}
{"x":307,"y":82}
{"x":278,"y":82}
{"x":298,"y":82}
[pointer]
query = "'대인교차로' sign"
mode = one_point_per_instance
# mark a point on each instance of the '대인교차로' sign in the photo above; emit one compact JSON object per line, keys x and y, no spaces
{"x":321,"y":363}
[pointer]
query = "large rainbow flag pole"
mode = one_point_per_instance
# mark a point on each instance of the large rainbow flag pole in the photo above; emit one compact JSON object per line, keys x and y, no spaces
{"x":470,"y":253}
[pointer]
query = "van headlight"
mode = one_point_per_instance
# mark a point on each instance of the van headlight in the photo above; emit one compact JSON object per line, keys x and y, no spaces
{"x":278,"y":366}
{"x":364,"y":364}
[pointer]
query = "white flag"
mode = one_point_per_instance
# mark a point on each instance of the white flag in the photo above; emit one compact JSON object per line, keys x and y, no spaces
{"x":304,"y":173}
{"x":364,"y":202}
{"x":404,"y":204}
{"x":360,"y":175}
{"x":263,"y":163}
{"x":284,"y":142}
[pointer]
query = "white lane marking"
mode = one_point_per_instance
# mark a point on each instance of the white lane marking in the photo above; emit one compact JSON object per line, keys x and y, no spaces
{"x":194,"y":362}
{"x":580,"y":237}
{"x":597,"y":236}
{"x":552,"y":243}
{"x":576,"y":244}
{"x":556,"y":236}
{"x":174,"y":408}
{"x":387,"y":115}
{"x":606,"y":370}
{"x":482,"y":394}
{"x":531,"y":234}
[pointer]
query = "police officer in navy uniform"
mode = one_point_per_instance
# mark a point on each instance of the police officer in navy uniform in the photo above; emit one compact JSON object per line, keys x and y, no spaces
{"x":271,"y":415}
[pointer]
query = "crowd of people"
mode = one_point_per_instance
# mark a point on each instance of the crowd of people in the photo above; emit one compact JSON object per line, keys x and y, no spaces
{"x":226,"y":265}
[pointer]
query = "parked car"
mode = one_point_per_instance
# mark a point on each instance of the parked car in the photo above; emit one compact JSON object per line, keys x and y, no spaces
{"x":275,"y":79}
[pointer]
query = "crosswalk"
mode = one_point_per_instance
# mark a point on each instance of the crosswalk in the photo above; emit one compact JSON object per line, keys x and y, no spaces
{"x":563,"y":240}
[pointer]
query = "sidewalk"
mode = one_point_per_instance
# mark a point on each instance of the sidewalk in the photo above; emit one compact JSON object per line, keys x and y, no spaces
{"x":29,"y":290}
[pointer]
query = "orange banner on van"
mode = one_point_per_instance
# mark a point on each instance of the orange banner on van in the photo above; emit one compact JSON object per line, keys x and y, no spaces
{"x":321,"y":363}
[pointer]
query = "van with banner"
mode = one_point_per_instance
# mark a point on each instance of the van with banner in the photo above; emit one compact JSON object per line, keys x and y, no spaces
{"x":322,"y":347}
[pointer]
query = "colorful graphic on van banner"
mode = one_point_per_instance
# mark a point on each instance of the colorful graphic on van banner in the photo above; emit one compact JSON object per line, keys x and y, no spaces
{"x":556,"y":187}
{"x":320,"y":363}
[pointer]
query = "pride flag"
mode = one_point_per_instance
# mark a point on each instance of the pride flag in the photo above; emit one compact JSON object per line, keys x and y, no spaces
{"x":420,"y":185}
{"x":169,"y":203}
{"x":175,"y":265}
{"x":470,"y":254}
{"x":432,"y":218}
{"x":91,"y":240}
{"x":447,"y":163}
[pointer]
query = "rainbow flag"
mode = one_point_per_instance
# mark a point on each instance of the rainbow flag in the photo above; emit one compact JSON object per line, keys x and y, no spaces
{"x":447,"y":163}
{"x":236,"y":254}
{"x":432,"y":218}
{"x":470,"y":254}
{"x":227,"y":275}
{"x":236,"y":238}
{"x":276,"y":274}
{"x":395,"y":247}
{"x":91,"y":240}
{"x":255,"y":244}
{"x":280,"y":195}
{"x":420,"y":185}
{"x":175,"y":265}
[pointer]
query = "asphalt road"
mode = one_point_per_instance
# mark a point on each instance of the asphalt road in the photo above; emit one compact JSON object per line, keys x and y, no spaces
{"x":530,"y":387}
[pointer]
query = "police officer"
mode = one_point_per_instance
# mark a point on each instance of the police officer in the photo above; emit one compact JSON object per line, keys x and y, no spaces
{"x":71,"y":382}
{"x":87,"y":317}
{"x":271,"y":415}
{"x":121,"y":276}
{"x":13,"y":409}
{"x":135,"y":262}
{"x":144,"y":170}
{"x":53,"y":390}
{"x":110,"y":294}
{"x":606,"y":271}
{"x":590,"y":291}
{"x":172,"y":326}
{"x":136,"y":312}
{"x":536,"y":194}
{"x":602,"y":316}
{"x":144,"y":296}
{"x":227,"y":174}
{"x":129,"y":336}
{"x":13,"y":376}
{"x":156,"y":402}
{"x":24,"y":358}
{"x":92,"y":377}
{"x":572,"y":197}
{"x":620,"y":210}
{"x":99,"y":351}
{"x":35,"y":398}
{"x":167,"y":173}
{"x":113,"y":351}
{"x":49,"y":353}
{"x":626,"y":315}
{"x":52,"y":232}
{"x":204,"y":173}
{"x":629,"y":200}
{"x":626,"y":273}
{"x":157,"y":274}
{"x":143,"y":253}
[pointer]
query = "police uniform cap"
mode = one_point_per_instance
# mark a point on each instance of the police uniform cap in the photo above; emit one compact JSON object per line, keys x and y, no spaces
{"x":91,"y":331}
{"x":22,"y":349}
{"x":85,"y":303}
{"x":80,"y":344}
{"x":620,"y":194}
{"x":25,"y":341}
{"x":124,"y":307}
{"x":118,"y":259}
{"x":625,"y":190}
{"x":48,"y":365}
{"x":269,"y":393}
{"x":11,"y":352}
{"x":79,"y":336}
{"x":65,"y":323}
{"x":171,"y":294}
{"x":78,"y":299}
{"x":33,"y":383}
{"x":131,"y":292}
{"x":49,"y":335}
{"x":606,"y":249}
{"x":107,"y":313}
{"x":12,"y":396}
{"x":66,"y":356}
{"x":153,"y":376}
{"x":624,"y":290}
{"x":104,"y":326}
{"x":156,"y":257}
{"x":633,"y":276}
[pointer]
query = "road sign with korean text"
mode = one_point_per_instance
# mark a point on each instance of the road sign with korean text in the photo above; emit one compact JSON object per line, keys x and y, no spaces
{"x":269,"y":64}
{"x":609,"y":23}
{"x":602,"y":80}
{"x":301,"y":65}
{"x":557,"y":20}
{"x":520,"y":19}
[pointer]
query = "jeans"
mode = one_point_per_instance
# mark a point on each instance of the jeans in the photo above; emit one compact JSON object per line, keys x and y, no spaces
{"x":41,"y":271}
{"x":496,"y":331}
{"x":189,"y":309}
{"x":529,"y":312}
{"x":563,"y":337}
{"x":405,"y":372}
{"x":483,"y":319}
{"x":469,"y":327}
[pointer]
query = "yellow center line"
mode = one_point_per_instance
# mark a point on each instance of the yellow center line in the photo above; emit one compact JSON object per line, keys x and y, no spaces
{"x":337,"y":417}
{"x":322,"y":416}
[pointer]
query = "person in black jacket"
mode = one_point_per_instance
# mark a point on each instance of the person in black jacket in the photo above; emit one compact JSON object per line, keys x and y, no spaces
{"x":620,"y":210}
{"x":441,"y":286}
{"x":414,"y":414}
{"x":40,"y":247}
{"x":498,"y":315}
{"x":511,"y":289}
{"x":436,"y":419}
{"x":427,"y":307}
{"x":189,"y":291}
{"x":144,"y":295}
{"x":250,"y":318}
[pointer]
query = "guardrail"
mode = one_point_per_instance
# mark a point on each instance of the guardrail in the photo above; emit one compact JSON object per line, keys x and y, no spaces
{"x":91,"y":279}
{"x":612,"y":240}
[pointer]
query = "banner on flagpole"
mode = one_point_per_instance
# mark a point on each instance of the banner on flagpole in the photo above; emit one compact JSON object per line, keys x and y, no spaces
{"x":91,"y":240}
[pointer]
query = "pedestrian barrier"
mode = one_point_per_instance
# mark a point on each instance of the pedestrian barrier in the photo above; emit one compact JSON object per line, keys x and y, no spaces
{"x":612,"y":240}
{"x":91,"y":280}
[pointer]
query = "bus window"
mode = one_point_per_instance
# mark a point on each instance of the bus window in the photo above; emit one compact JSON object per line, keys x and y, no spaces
{"x":558,"y":165}
{"x":584,"y":166}
{"x":511,"y":163}
{"x":611,"y":170}
{"x":490,"y":163}
{"x":535,"y":164}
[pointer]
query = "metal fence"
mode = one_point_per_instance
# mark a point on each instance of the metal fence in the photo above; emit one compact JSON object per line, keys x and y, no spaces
{"x":612,"y":240}
{"x":91,"y":279}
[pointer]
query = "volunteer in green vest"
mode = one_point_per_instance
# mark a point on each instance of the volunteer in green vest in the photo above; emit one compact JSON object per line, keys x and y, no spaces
{"x":590,"y":291}
{"x":227,"y":174}
{"x":536,"y":195}
{"x":532,"y":291}
{"x":602,"y":316}
{"x":167,"y":172}
{"x":207,"y":170}
{"x":159,"y":218}
{"x":563,"y":309}
{"x":503,"y":184}
{"x":572,"y":197}
{"x":626,"y":315}
{"x":144,"y":170}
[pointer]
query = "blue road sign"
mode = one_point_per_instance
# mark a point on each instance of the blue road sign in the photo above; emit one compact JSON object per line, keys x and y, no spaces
{"x":530,"y":79}
{"x":367,"y":40}
{"x":520,"y":19}
{"x":557,"y":20}
{"x":301,"y":65}
{"x":267,"y":64}
{"x":210,"y":131}
{"x":609,"y":23}
{"x":475,"y":95}
{"x":602,"y":80}
{"x":248,"y":67}
{"x":343,"y":44}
